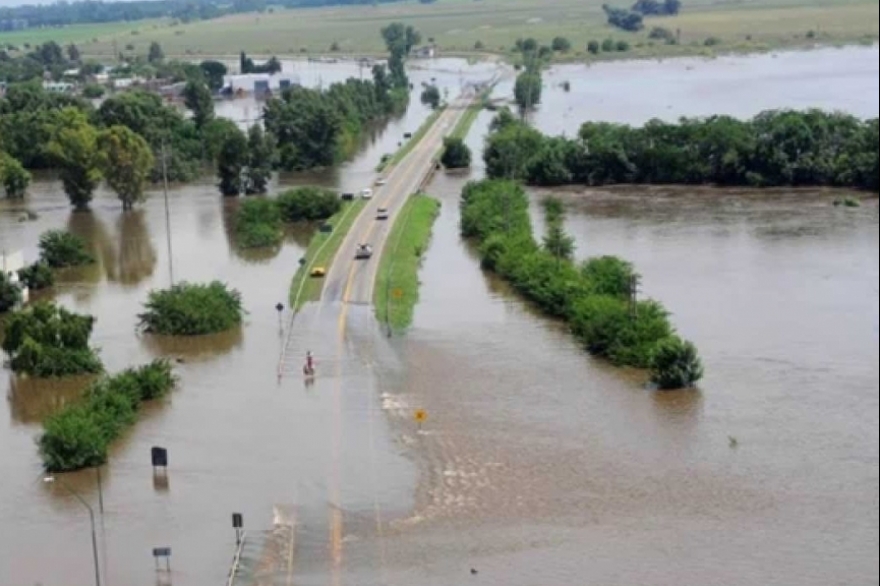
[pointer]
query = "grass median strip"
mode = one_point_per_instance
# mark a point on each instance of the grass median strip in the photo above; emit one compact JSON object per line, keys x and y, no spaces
{"x":467,"y":119}
{"x":320,"y":253}
{"x":411,"y":142}
{"x":397,"y":281}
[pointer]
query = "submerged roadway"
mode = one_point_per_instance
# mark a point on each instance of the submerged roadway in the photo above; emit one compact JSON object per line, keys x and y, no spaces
{"x":347,"y":478}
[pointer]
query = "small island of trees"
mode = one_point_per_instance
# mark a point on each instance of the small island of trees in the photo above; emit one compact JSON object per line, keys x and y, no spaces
{"x":189,"y":309}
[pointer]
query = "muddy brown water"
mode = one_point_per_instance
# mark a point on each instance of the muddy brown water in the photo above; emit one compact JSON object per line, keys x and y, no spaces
{"x":537,"y":464}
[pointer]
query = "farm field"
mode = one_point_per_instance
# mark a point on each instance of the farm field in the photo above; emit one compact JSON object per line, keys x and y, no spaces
{"x":457,"y":26}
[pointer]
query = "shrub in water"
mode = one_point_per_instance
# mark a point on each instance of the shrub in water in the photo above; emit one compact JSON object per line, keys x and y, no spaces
{"x":675,"y":364}
{"x":258,"y":224}
{"x":37,"y":276}
{"x":63,"y":249}
{"x":308,"y":204}
{"x":78,"y":436}
{"x":188,"y":309}
{"x":46,"y":340}
{"x":10,"y":294}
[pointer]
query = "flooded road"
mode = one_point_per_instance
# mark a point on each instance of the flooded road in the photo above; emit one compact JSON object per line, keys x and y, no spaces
{"x":537,"y":465}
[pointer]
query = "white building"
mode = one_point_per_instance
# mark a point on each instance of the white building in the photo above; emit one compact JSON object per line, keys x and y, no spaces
{"x":10,"y":263}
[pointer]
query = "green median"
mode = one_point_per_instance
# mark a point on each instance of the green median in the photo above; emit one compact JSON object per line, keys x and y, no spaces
{"x":320,"y":253}
{"x":397,"y":281}
{"x":408,"y":146}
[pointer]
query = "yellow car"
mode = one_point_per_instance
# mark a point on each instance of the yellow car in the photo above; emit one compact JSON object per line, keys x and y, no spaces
{"x":318,"y":272}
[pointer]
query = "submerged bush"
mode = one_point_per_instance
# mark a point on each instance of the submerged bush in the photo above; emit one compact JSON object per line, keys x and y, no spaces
{"x":308,"y":204}
{"x":37,"y":276}
{"x":79,"y":435}
{"x":675,"y":364}
{"x":62,"y":249}
{"x":258,"y":224}
{"x":593,"y":298}
{"x":46,"y":340}
{"x":10,"y":294}
{"x":188,"y":309}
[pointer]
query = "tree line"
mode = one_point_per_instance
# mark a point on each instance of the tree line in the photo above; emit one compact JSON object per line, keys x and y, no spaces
{"x":133,"y":137}
{"x":594,"y":298}
{"x":775,"y":148}
{"x":88,"y":11}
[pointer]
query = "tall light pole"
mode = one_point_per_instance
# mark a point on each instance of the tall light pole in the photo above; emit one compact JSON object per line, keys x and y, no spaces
{"x":167,"y":214}
{"x":51,"y":479}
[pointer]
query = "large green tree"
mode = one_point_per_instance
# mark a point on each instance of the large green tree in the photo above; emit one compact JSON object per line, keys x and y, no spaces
{"x":261,"y":157}
{"x":197,"y":97}
{"x":126,"y":161}
{"x":14,"y":178}
{"x":74,"y":146}
{"x":231,"y":163}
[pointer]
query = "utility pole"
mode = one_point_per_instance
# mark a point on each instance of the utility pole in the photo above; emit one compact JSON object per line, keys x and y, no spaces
{"x":167,"y":214}
{"x":633,"y":295}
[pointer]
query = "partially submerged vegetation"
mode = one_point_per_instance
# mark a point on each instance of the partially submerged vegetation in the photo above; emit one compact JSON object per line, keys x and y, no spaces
{"x":775,"y":148}
{"x":258,"y":224}
{"x":79,"y":435}
{"x":46,"y":340}
{"x":593,"y":298}
{"x":397,"y":281}
{"x":60,"y":249}
{"x":189,"y":309}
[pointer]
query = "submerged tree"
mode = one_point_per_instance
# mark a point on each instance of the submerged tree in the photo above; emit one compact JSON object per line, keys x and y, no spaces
{"x":456,"y":154}
{"x":74,"y":146}
{"x":197,"y":97}
{"x":261,"y":157}
{"x":675,"y":364}
{"x":231,"y":163}
{"x":126,"y":161}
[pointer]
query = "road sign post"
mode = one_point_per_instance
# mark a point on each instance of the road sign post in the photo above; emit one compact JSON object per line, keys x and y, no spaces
{"x":162,"y":552}
{"x":237,"y":524}
{"x":420,"y":416}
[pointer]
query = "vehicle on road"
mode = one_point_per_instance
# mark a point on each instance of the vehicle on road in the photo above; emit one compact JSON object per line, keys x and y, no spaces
{"x":381,"y":181}
{"x":364,"y":251}
{"x":382,"y":214}
{"x":347,"y":196}
{"x":366,"y":193}
{"x":318,"y":272}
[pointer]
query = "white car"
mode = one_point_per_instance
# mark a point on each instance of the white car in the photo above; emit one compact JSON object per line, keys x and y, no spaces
{"x":366,"y":193}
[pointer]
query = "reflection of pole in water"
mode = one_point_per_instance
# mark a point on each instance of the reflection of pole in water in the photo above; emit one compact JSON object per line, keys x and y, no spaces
{"x":167,"y":213}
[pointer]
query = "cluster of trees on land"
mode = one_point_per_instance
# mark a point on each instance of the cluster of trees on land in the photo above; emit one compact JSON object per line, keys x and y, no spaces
{"x":260,"y":222}
{"x":775,"y":148}
{"x":594,"y":298}
{"x":632,"y":19}
{"x":79,"y":435}
{"x":58,"y":250}
{"x":18,"y":65}
{"x":66,"y":13}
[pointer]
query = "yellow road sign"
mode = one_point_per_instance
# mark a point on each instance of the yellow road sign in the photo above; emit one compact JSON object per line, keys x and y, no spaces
{"x":421,"y":415}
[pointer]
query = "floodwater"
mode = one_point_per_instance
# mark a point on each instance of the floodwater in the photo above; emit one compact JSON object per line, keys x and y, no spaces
{"x":537,"y":464}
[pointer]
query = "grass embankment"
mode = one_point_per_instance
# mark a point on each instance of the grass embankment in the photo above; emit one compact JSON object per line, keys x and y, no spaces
{"x":410,"y":144}
{"x":463,"y":126}
{"x":320,"y":253}
{"x":458,"y":25}
{"x":397,"y":281}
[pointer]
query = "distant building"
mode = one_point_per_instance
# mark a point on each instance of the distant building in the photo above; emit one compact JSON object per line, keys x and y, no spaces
{"x":10,"y":264}
{"x":426,"y":52}
{"x":257,"y":83}
{"x":58,"y":87}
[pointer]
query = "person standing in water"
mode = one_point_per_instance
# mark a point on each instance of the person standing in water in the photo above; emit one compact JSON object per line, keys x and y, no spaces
{"x":310,"y":364}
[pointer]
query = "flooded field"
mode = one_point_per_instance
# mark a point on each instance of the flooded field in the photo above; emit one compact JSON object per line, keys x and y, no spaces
{"x":537,"y":464}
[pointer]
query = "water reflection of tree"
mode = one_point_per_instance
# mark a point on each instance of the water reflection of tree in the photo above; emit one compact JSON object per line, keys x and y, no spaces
{"x":81,"y":281}
{"x":32,"y":400}
{"x":194,"y":347}
{"x":136,"y":254}
{"x":679,"y":408}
